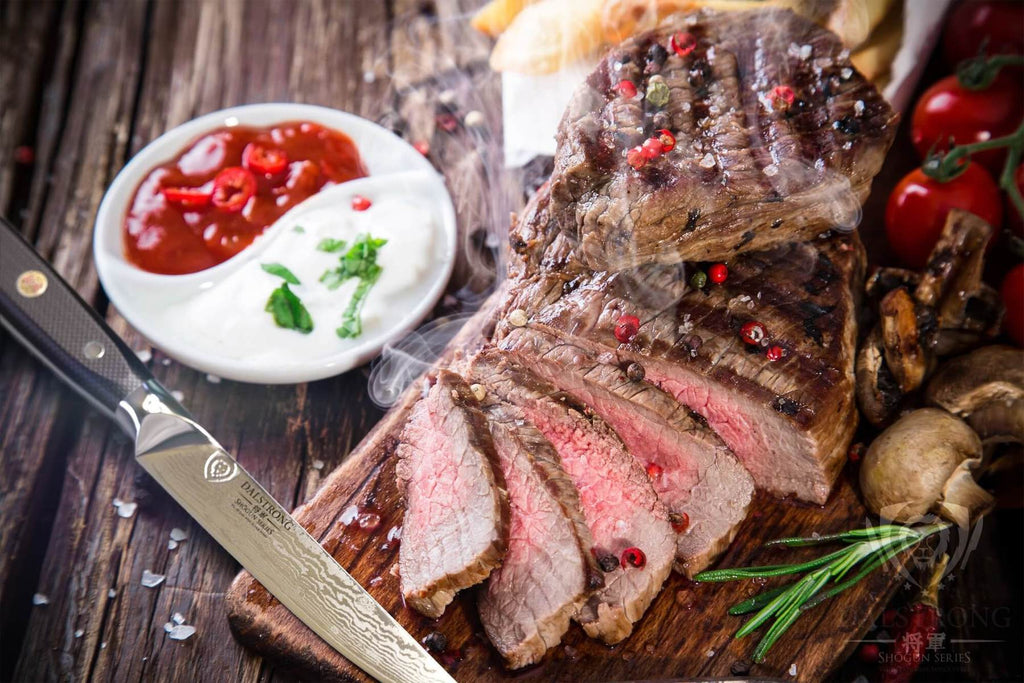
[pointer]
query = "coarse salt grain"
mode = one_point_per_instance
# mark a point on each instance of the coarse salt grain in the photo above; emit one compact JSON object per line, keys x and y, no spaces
{"x":858,"y":107}
{"x":710,"y":653}
{"x":349,"y":515}
{"x":178,"y":396}
{"x":394,"y":532}
{"x":40,"y":599}
{"x":178,"y":618}
{"x":805,"y":52}
{"x":181,"y":632}
{"x":111,"y":593}
{"x":172,"y":545}
{"x":151,"y":580}
{"x":318,"y":465}
{"x":792,"y":670}
{"x":79,"y":633}
{"x":145,"y":355}
{"x":474,"y":119}
{"x":771,"y":170}
{"x":369,"y":77}
{"x":213,"y":379}
{"x":126,"y":510}
{"x":708,"y":161}
{"x":178,"y":534}
{"x":168,"y":626}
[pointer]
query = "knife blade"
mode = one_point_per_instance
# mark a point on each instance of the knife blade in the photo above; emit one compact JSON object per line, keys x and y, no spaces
{"x":46,"y":315}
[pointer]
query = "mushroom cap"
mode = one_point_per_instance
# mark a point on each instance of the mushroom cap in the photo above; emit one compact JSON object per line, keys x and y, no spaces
{"x":921,"y":464}
{"x":985,"y":387}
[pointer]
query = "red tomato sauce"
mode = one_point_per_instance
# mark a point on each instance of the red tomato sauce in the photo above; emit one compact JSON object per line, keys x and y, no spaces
{"x":220,"y":193}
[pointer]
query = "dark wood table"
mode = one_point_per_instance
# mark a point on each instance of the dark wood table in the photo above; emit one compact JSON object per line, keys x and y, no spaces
{"x":84,"y":84}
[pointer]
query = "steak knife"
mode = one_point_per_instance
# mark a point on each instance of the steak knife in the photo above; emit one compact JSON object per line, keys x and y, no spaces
{"x":46,"y":315}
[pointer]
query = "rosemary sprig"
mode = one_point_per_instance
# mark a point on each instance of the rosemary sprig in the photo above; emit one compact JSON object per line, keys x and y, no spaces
{"x":867,"y":549}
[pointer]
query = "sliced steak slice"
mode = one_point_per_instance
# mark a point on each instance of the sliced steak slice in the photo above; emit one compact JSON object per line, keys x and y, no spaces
{"x":693,"y":472}
{"x":619,"y":504}
{"x":456,"y":519}
{"x":548,"y":570}
{"x":775,"y":141}
{"x":788,"y":421}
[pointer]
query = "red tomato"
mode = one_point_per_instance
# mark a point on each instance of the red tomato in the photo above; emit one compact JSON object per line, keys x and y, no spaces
{"x":260,"y":159}
{"x":1012,"y":293}
{"x":1014,"y":221}
{"x":972,"y":22}
{"x":232,"y":188}
{"x":946,"y":110}
{"x":918,"y":207}
{"x":188,"y":197}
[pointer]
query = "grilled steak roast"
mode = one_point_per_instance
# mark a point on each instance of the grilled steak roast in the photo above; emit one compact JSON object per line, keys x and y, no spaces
{"x":548,"y":569}
{"x":777,"y":138}
{"x":789,"y":421}
{"x":456,"y":522}
{"x":618,"y":502}
{"x":693,"y":472}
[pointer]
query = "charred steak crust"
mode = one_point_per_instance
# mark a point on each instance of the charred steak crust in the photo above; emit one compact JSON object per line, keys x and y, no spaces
{"x":617,"y":500}
{"x":456,"y":526}
{"x":692,"y":471}
{"x":548,"y":571}
{"x":752,"y":166}
{"x":788,"y":421}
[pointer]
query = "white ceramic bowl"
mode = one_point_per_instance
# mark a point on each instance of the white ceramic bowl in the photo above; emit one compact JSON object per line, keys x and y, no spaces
{"x":138,"y":294}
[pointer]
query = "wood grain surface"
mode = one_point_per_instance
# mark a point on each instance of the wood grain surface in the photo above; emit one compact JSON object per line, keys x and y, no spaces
{"x":84,"y":84}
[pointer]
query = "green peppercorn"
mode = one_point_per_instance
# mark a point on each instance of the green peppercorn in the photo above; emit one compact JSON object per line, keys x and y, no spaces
{"x":699,"y":280}
{"x":657,"y":91}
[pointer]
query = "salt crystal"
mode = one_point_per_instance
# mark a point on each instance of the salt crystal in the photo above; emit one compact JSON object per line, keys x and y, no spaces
{"x":349,"y":515}
{"x":847,"y":145}
{"x":178,"y":618}
{"x":126,"y":510}
{"x":771,"y":170}
{"x":213,"y":379}
{"x":181,"y":632}
{"x":151,"y":580}
{"x":447,"y":97}
{"x":687,"y":106}
{"x":474,"y":119}
{"x":178,"y":396}
{"x":145,"y":355}
{"x":822,"y":63}
{"x":858,"y":107}
{"x":40,"y":599}
{"x":165,"y":361}
{"x":708,"y":161}
{"x":168,"y":626}
{"x":714,"y":110}
{"x":118,"y":502}
{"x":79,"y":633}
{"x":805,"y":52}
{"x":815,"y":534}
{"x":103,"y":645}
{"x":318,"y":465}
{"x":111,"y":593}
{"x":375,"y":580}
{"x":172,"y":544}
{"x":711,"y":653}
{"x":369,"y":77}
{"x":394,"y":532}
{"x":846,"y":73}
{"x":792,"y":670}
{"x":793,"y":50}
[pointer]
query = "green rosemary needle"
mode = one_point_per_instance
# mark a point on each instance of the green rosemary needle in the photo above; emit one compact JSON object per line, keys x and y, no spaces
{"x":865,"y":549}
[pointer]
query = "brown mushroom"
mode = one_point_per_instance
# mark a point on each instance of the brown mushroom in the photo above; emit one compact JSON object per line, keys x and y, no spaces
{"x":878,"y":393}
{"x":986,"y":388}
{"x":905,"y":354}
{"x":922,"y":464}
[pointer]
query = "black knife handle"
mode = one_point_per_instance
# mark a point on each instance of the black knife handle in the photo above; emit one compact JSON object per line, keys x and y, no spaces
{"x":45,"y":314}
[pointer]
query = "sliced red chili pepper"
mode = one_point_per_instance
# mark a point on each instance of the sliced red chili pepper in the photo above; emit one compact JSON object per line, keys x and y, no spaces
{"x":187,"y":197}
{"x":260,"y":159}
{"x":775,"y":353}
{"x":654,"y":470}
{"x":232,"y":188}
{"x":782,"y":97}
{"x":360,"y":203}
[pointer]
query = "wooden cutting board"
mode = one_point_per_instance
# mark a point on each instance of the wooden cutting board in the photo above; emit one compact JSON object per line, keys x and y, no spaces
{"x":685,"y":633}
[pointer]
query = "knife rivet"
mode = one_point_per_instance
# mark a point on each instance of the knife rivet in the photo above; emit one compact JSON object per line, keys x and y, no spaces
{"x":31,"y":284}
{"x":93,"y":350}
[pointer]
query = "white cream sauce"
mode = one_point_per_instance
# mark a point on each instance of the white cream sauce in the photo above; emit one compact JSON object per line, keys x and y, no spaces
{"x":228,"y":318}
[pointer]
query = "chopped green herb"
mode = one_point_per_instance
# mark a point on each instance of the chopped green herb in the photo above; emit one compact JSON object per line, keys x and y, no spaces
{"x":299,"y":229}
{"x":288,"y":310}
{"x":331,"y":245}
{"x":360,"y":261}
{"x":282,"y":272}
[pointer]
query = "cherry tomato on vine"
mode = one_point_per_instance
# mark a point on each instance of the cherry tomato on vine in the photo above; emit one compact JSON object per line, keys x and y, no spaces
{"x":970,"y":23}
{"x":918,"y":207}
{"x":1014,"y":221}
{"x":948,"y":110}
{"x":1012,"y":293}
